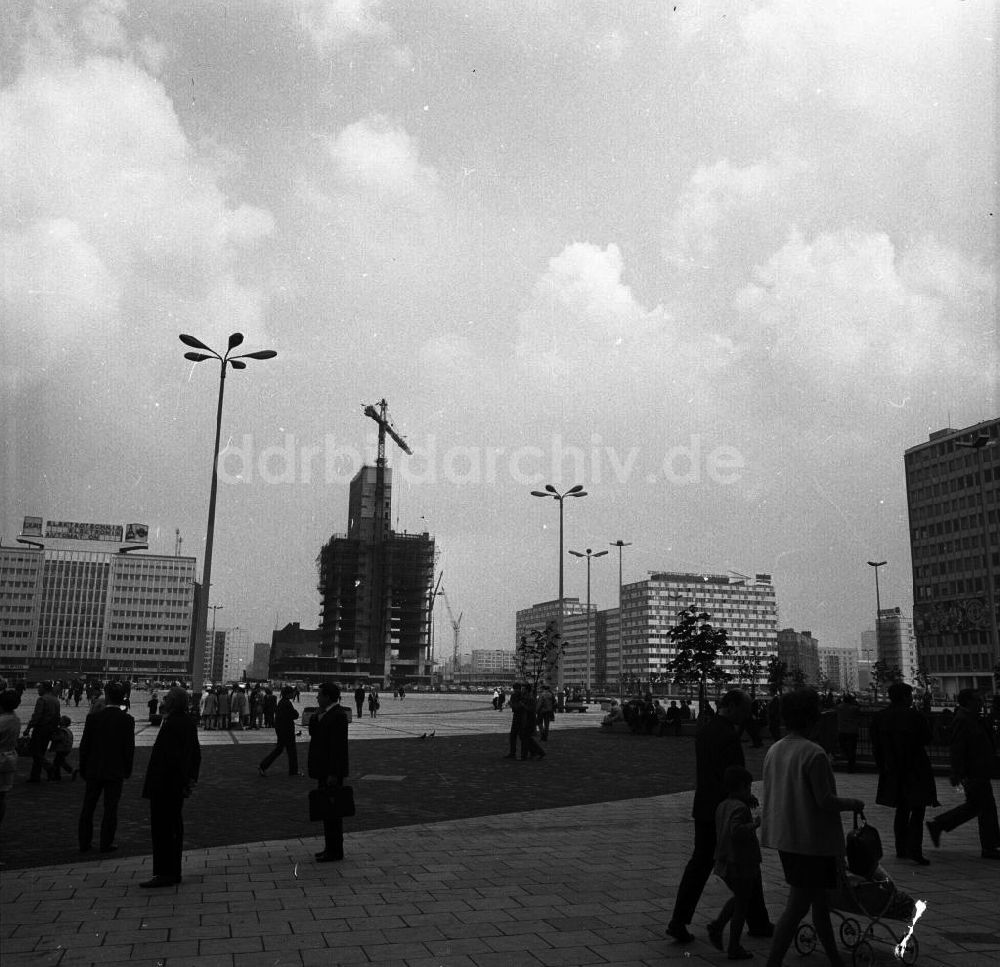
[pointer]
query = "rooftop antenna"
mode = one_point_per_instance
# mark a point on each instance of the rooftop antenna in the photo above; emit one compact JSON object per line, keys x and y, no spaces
{"x":178,"y":540}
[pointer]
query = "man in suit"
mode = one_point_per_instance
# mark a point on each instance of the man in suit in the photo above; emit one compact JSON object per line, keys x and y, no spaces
{"x":173,"y":770}
{"x":107,"y":750}
{"x":718,"y":745}
{"x":328,"y":762}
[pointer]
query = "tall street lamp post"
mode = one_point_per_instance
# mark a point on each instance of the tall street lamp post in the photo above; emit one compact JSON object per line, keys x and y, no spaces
{"x":878,"y":619}
{"x":588,"y":556}
{"x":621,"y":618}
{"x":979,"y":444}
{"x":237,"y":362}
{"x":551,"y":491}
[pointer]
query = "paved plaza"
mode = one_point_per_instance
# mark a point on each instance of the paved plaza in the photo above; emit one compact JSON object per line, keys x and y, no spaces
{"x":588,"y":883}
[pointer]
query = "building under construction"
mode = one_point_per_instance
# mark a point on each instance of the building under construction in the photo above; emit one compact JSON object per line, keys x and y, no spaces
{"x":377,"y":590}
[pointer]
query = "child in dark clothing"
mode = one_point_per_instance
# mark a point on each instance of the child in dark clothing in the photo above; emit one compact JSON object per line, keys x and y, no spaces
{"x":737,"y":859}
{"x":62,"y":745}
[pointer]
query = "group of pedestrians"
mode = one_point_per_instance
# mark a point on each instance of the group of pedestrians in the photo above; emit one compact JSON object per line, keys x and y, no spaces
{"x":223,"y":708}
{"x":531,"y":714}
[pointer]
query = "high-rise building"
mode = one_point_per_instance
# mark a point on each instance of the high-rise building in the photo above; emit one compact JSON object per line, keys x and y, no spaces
{"x":376,"y":590}
{"x":953,"y":496}
{"x":840,"y":668}
{"x":897,"y":647}
{"x":237,"y":654}
{"x":799,"y":650}
{"x":80,"y":599}
{"x":744,"y":607}
{"x":259,"y":665}
{"x":487,"y":660}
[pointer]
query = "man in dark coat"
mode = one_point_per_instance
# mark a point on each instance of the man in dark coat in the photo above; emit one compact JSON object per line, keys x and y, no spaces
{"x":973,"y":761}
{"x":41,"y":726}
{"x":284,"y":731}
{"x":900,"y":735}
{"x":107,"y":750}
{"x":173,"y":770}
{"x":718,"y":745}
{"x":359,"y":699}
{"x":328,"y":762}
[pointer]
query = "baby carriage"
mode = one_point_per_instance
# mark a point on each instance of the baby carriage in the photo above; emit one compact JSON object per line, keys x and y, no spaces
{"x":867,"y":903}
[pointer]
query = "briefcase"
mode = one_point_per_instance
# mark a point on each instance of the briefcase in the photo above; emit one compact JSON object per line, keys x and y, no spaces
{"x":331,"y":802}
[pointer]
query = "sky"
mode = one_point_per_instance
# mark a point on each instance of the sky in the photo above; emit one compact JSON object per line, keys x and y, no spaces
{"x":720,"y":262}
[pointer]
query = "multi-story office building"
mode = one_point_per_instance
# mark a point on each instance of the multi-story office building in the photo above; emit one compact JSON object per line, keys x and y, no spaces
{"x":953,"y":496}
{"x":539,"y":616}
{"x":376,"y":588}
{"x":745,"y":608}
{"x":839,"y":666}
{"x":799,"y":650}
{"x":296,"y":654}
{"x":259,"y":665}
{"x":897,"y":646}
{"x":79,"y":599}
{"x":869,"y":645}
{"x":489,"y":660}
{"x":237,"y":654}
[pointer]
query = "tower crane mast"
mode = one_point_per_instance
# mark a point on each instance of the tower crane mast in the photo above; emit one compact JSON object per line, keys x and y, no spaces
{"x":455,"y":625}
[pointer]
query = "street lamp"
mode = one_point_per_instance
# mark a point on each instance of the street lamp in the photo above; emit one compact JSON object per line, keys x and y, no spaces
{"x":237,"y":362}
{"x":978,"y":444}
{"x":551,"y":491}
{"x":588,"y":556}
{"x":878,"y":618}
{"x":621,"y":618}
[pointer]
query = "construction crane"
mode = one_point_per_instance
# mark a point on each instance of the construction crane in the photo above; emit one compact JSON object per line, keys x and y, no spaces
{"x":455,"y":625}
{"x":380,"y":604}
{"x":430,"y":620}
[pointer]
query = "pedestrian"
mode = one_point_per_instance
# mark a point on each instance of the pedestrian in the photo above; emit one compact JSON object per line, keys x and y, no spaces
{"x":171,"y":775}
{"x":674,"y":720}
{"x":373,"y":703}
{"x":530,"y":749}
{"x":973,"y":764}
{"x":516,"y":706}
{"x":359,"y":699}
{"x":10,"y":729}
{"x":501,"y":700}
{"x":284,"y":730}
{"x":496,"y":695}
{"x":900,"y":736}
{"x":62,"y":745}
{"x":240,"y":707}
{"x":402,"y":693}
{"x":718,"y":745}
{"x":257,"y":709}
{"x":737,"y":859}
{"x":107,"y":753}
{"x":329,"y":763}
{"x":801,"y":820}
{"x":41,"y":726}
{"x":546,"y":712}
{"x":848,"y":715}
{"x":270,"y":707}
{"x":210,"y":709}
{"x":154,"y":707}
{"x":222,"y":708}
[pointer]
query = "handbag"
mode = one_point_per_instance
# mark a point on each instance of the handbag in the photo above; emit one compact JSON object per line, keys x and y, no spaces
{"x":331,"y":802}
{"x":864,"y":848}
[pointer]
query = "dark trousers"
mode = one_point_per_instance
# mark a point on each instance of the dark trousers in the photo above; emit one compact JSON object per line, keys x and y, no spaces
{"x":980,"y":804}
{"x":515,"y":731}
{"x":166,"y":824}
{"x":59,"y":766}
{"x":112,"y":789}
{"x":286,"y":743}
{"x":333,"y":833}
{"x":696,"y":875}
{"x":39,"y":744}
{"x":848,"y":742}
{"x":528,"y":744}
{"x":361,"y":707}
{"x":908,"y":830}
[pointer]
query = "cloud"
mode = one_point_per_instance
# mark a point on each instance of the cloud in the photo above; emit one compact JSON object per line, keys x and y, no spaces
{"x":331,"y":23}
{"x":102,"y":188}
{"x":847,"y":306}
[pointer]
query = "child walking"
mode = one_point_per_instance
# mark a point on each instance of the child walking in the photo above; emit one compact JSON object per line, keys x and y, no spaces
{"x":737,"y":859}
{"x":62,"y":745}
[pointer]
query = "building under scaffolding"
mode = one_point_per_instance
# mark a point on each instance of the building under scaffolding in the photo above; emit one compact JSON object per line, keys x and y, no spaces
{"x":376,"y":594}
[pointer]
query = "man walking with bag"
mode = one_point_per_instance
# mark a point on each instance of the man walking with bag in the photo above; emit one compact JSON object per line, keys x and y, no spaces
{"x":328,"y":763}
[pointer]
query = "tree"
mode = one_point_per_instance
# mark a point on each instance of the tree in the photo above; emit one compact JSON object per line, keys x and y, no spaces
{"x":700,"y":646}
{"x":879,"y":673}
{"x":748,"y":667}
{"x":798,"y":677}
{"x":537,"y":655}
{"x":777,"y":672}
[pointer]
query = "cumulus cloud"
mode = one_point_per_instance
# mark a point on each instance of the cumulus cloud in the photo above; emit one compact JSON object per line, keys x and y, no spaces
{"x":333,"y":22}
{"x":847,"y":304}
{"x":103,"y":189}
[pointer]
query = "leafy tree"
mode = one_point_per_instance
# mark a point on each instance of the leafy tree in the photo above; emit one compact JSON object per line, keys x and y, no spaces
{"x":879,"y":673}
{"x":700,"y":646}
{"x":777,"y":672}
{"x":748,"y":668}
{"x":537,"y":655}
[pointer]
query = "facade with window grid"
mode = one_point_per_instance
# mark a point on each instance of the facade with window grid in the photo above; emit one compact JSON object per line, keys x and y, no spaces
{"x":955,"y":554}
{"x":78,"y":607}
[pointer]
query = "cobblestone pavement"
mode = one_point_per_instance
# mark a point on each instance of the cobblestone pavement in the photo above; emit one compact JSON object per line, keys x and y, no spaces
{"x":578,"y":866}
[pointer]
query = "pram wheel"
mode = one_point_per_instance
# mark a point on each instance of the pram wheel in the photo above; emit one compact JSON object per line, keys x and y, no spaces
{"x":910,"y":952}
{"x":864,"y":954}
{"x":805,"y":939}
{"x":850,"y":932}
